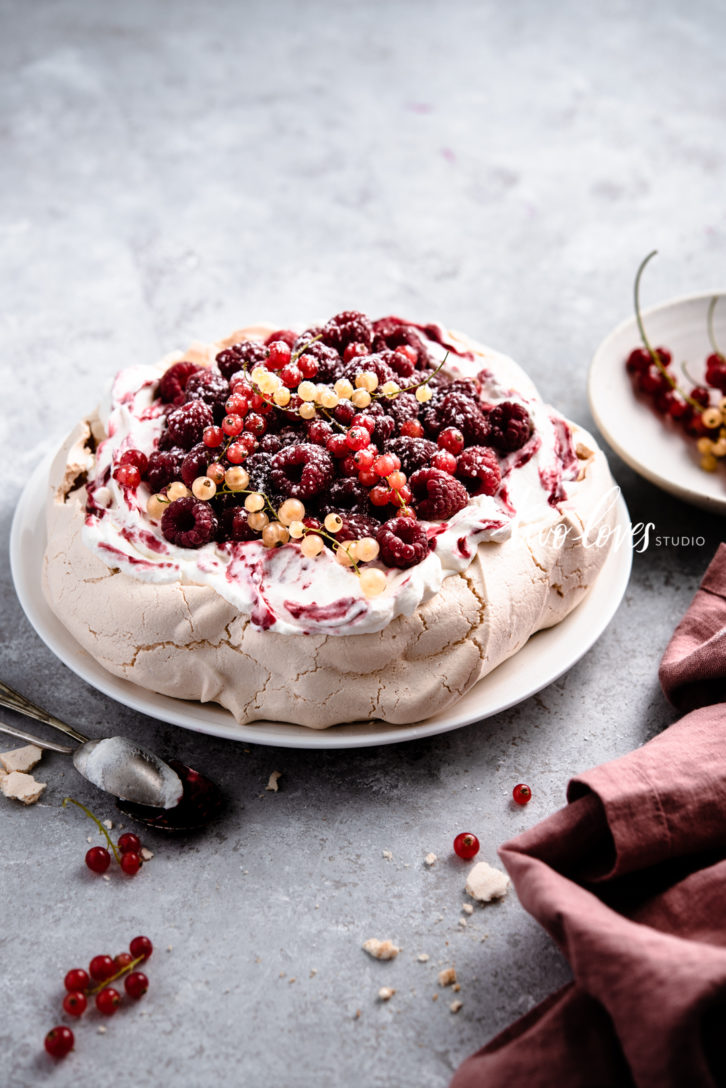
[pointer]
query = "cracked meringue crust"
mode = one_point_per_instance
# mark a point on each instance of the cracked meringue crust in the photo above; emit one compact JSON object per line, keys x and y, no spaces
{"x":190,"y":642}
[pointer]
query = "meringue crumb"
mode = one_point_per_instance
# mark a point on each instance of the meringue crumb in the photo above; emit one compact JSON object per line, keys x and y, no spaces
{"x":447,"y":977}
{"x":106,"y":877}
{"x":463,"y":923}
{"x":19,"y":786}
{"x":485,"y":883}
{"x":430,"y":860}
{"x":356,"y":1014}
{"x":101,"y":1029}
{"x":456,"y":987}
{"x":108,"y":824}
{"x":467,"y":908}
{"x":423,"y":957}
{"x":380,"y":950}
{"x":456,"y":1005}
{"x":385,"y":993}
{"x":434,"y":997}
{"x":313,"y":972}
{"x":21,"y":759}
{"x":282,"y":974}
{"x":89,"y":838}
{"x":169,"y":947}
{"x":146,"y":854}
{"x":273,"y":780}
{"x":388,"y":855}
{"x":293,"y":979}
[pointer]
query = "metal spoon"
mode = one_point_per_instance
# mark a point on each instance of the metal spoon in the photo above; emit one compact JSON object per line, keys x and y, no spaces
{"x":114,"y":764}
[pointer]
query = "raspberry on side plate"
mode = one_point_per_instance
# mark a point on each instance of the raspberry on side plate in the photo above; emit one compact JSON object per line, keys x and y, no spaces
{"x":403,"y":542}
{"x":478,"y":469}
{"x":437,"y":496}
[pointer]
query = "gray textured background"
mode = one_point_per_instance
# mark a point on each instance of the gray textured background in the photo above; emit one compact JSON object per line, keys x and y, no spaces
{"x":172,"y":170}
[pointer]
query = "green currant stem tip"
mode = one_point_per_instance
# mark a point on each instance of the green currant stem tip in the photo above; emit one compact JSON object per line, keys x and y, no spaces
{"x":119,"y":974}
{"x":709,"y":322}
{"x":101,"y":828}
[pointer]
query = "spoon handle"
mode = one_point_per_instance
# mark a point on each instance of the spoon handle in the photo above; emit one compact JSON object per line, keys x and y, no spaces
{"x":13,"y":700}
{"x":49,"y":745}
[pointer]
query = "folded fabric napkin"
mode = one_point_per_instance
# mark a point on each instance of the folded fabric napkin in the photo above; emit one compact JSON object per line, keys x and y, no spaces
{"x":630,"y":881}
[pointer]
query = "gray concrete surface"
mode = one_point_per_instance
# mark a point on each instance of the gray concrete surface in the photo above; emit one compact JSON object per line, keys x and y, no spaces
{"x":170,"y":171}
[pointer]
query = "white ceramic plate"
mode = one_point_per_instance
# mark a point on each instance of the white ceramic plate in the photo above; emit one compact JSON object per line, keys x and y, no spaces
{"x":545,"y":657}
{"x":656,"y":450}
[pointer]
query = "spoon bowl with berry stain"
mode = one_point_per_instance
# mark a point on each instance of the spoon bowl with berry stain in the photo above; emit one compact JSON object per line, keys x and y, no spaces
{"x":169,"y":796}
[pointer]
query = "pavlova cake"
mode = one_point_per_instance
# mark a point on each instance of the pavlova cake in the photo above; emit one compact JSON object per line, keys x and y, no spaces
{"x":356,"y":521}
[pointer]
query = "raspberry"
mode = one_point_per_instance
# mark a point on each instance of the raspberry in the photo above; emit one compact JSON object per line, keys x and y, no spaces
{"x":286,"y":335}
{"x":318,"y":431}
{"x":457,"y":409}
{"x":510,"y":426}
{"x":403,"y":542}
{"x":185,"y":425}
{"x":235,"y":526}
{"x":330,"y":366}
{"x":164,"y":466}
{"x":479,"y":471}
{"x":301,"y":471}
{"x":347,"y":494}
{"x":209,"y":386}
{"x":413,"y":453}
{"x":174,"y":381}
{"x":437,"y":495}
{"x":468,"y":387}
{"x":375,"y":364}
{"x":195,"y":463}
{"x":356,"y":526}
{"x":189,"y":523}
{"x":258,"y":466}
{"x":348,"y":327}
{"x":391,"y":333}
{"x":404,"y":407}
{"x":247,"y":354}
{"x":271,"y":443}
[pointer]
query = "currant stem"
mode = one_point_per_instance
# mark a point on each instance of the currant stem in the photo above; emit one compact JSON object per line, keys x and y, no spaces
{"x":98,"y":823}
{"x":114,"y":978}
{"x":709,"y":323}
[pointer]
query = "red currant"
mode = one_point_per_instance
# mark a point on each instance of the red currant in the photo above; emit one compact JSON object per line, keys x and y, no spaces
{"x":130,"y":863}
{"x":279,"y":355}
{"x":108,"y":1001}
{"x":135,"y":457}
{"x":411,"y":428}
{"x":385,"y":464}
{"x":247,"y":441}
{"x":232,"y":425}
{"x":291,"y":375}
{"x":701,"y":395}
{"x":255,"y":424}
{"x":396,"y":480}
{"x":75,"y":1003}
{"x":368,"y":478}
{"x":638,"y":361}
{"x":401,"y":495}
{"x":59,"y":1042}
{"x":98,"y":859}
{"x":363,"y":459}
{"x":124,"y":959}
{"x":237,"y":405}
{"x":466,"y":845}
{"x":212,"y":437}
{"x":408,"y":351}
{"x":444,"y":461}
{"x":128,"y":841}
{"x":337,"y":445}
{"x":353,"y":350}
{"x":380,"y":496}
{"x":364,"y":420}
{"x":308,"y":366}
{"x":451,"y":439}
{"x":102,"y":967}
{"x":141,"y":946}
{"x":357,"y":438}
{"x":522,"y":794}
{"x":77,"y":979}
{"x":236,"y":453}
{"x":127,"y":475}
{"x":136,"y":984}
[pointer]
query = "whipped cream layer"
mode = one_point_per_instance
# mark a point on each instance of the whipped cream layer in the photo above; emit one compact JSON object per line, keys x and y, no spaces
{"x":282,"y":590}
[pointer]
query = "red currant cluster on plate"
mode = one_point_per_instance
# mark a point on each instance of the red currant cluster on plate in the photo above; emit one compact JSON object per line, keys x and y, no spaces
{"x":346,"y":436}
{"x":700,"y":409}
{"x":80,"y":985}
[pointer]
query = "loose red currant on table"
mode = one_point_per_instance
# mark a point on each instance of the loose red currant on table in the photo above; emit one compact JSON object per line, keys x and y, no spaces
{"x":130,"y":863}
{"x":59,"y":1042}
{"x":108,"y":1001}
{"x":466,"y":845}
{"x":522,"y":794}
{"x":98,"y":859}
{"x":102,"y":967}
{"x":77,"y":979}
{"x":136,"y":984}
{"x":75,"y":1003}
{"x":141,"y":946}
{"x":129,"y":843}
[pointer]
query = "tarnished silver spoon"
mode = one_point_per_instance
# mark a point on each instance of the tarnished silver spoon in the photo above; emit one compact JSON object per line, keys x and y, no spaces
{"x":115,"y":764}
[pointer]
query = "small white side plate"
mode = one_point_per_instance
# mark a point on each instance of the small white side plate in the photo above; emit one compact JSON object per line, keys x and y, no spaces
{"x":546,"y":656}
{"x":654,"y":448}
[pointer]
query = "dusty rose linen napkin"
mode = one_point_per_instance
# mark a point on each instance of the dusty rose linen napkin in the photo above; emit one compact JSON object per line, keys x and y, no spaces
{"x":630,"y":881}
